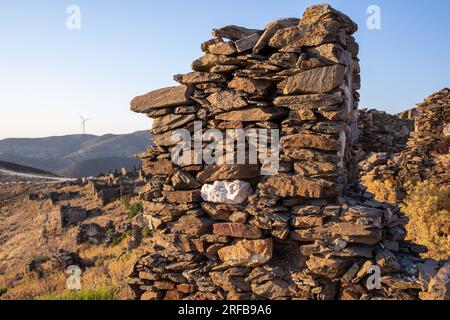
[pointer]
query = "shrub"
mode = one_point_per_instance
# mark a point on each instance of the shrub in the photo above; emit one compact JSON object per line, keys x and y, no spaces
{"x":3,"y":290}
{"x":428,"y":207}
{"x":126,"y":202}
{"x":102,"y":293}
{"x":135,"y":209}
{"x":384,"y":191}
{"x":118,"y":240}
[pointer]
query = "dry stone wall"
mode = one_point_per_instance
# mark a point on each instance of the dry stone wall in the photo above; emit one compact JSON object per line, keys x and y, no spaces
{"x":426,"y":153}
{"x":380,"y":132}
{"x":427,"y":156}
{"x":225,"y":231}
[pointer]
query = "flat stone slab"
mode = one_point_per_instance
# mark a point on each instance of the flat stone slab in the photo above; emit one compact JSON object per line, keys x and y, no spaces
{"x":162,"y":98}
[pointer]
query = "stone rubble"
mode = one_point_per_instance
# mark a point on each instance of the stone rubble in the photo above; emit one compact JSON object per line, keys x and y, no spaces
{"x":225,"y":232}
{"x":70,"y":216}
{"x":115,"y":185}
{"x":420,"y":155}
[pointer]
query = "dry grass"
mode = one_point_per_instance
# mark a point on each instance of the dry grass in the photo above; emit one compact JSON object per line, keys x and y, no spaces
{"x":28,"y":286}
{"x":428,"y":207}
{"x":384,"y":191}
{"x":30,"y":229}
{"x":101,"y":293}
{"x":104,"y":281}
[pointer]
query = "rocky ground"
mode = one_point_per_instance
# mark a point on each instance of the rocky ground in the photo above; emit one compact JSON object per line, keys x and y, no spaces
{"x":34,"y":250}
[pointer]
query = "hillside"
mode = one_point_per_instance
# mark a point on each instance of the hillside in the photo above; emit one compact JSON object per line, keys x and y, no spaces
{"x":34,"y":250}
{"x":13,"y":167}
{"x":93,"y":167}
{"x":75,"y":155}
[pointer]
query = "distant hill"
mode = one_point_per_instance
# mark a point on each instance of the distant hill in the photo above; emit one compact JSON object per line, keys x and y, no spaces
{"x":76,"y":155}
{"x":8,"y":166}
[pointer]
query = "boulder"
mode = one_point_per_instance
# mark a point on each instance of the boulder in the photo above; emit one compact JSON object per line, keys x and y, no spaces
{"x":319,"y":80}
{"x":165,"y":212}
{"x":330,"y":53}
{"x":236,"y":192}
{"x":271,"y":29}
{"x":228,"y":172}
{"x":272,"y":290}
{"x":192,"y":225}
{"x":330,"y":268}
{"x":347,"y":231}
{"x":184,"y":181}
{"x":223,"y":48}
{"x":250,"y":86}
{"x":237,"y":230}
{"x":208,"y":61}
{"x":171,"y":122}
{"x":252,"y":115}
{"x":297,"y":186}
{"x":321,"y":142}
{"x":439,"y":286}
{"x":194,"y":78}
{"x":387,"y":261}
{"x":226,"y":100}
{"x":91,"y":233}
{"x":182,"y":197}
{"x":311,"y":101}
{"x":247,"y":43}
{"x":247,"y":253}
{"x":162,"y":98}
{"x":234,"y":32}
{"x":308,"y":169}
{"x":220,"y":212}
{"x":285,"y":60}
{"x":286,"y":36}
{"x":157,"y":168}
{"x":446,"y":131}
{"x":320,"y":12}
{"x":320,"y":32}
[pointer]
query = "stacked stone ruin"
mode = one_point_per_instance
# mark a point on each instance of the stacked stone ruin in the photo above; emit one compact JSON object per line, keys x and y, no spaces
{"x":426,"y":154}
{"x":223,"y":231}
{"x":115,"y":185}
{"x":380,"y":132}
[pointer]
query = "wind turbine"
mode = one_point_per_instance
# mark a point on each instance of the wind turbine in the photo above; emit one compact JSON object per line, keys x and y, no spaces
{"x":83,"y":123}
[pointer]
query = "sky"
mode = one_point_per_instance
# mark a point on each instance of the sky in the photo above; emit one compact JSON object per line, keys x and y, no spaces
{"x":49,"y":74}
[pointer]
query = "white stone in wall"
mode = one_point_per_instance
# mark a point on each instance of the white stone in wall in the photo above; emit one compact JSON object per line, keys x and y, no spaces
{"x":236,"y":192}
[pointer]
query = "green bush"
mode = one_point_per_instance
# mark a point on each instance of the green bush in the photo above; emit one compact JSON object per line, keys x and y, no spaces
{"x":118,"y":240}
{"x":135,"y":209}
{"x":3,"y":290}
{"x":126,"y":202}
{"x":84,"y":295}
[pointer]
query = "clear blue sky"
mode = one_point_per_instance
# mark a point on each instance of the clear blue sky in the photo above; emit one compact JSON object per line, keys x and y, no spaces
{"x":49,"y":74}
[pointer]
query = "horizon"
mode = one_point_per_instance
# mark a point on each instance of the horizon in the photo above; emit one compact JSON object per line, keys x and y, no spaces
{"x":121,"y":52}
{"x":75,"y":134}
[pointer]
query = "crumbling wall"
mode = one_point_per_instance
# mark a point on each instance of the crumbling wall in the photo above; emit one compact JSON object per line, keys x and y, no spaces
{"x":380,"y":132}
{"x":114,"y":186}
{"x":226,"y":231}
{"x":426,"y":154}
{"x":70,"y":216}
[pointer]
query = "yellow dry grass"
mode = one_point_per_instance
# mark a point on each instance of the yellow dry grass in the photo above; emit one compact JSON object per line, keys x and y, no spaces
{"x":105,"y":279}
{"x":428,"y":207}
{"x":384,"y":191}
